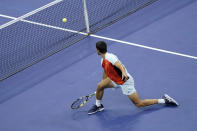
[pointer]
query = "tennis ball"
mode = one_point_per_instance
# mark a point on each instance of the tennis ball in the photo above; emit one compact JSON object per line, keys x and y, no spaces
{"x":64,"y":20}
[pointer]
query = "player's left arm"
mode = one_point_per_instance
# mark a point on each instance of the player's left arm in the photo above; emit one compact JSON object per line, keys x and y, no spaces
{"x":122,"y":68}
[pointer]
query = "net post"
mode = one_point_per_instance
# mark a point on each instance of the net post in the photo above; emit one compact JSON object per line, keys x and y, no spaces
{"x":86,"y":16}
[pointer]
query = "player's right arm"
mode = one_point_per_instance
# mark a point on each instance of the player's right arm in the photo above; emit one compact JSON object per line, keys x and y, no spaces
{"x":104,"y":75}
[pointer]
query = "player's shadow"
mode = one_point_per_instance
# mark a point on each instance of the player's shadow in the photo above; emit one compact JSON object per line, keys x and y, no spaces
{"x":81,"y":113}
{"x":118,"y":120}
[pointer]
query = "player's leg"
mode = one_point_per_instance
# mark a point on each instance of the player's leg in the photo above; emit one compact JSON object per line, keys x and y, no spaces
{"x":146,"y":102}
{"x":129,"y":90}
{"x":105,"y":83}
{"x":141,"y":103}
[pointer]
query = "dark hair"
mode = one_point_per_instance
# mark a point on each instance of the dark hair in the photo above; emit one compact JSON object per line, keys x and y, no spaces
{"x":101,"y":46}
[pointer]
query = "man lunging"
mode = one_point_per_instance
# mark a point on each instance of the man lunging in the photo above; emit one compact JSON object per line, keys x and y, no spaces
{"x":115,"y":74}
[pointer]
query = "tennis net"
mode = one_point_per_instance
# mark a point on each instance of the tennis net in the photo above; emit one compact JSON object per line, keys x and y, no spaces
{"x":39,"y":35}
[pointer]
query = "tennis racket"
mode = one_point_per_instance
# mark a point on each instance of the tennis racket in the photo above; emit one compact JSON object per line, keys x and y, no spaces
{"x":81,"y":101}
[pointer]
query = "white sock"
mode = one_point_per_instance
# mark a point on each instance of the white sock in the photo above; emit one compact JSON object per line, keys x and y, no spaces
{"x":98,"y":103}
{"x":161,"y":101}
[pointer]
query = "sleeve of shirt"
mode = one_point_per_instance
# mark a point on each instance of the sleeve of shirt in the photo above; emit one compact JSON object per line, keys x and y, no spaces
{"x":113,"y":59}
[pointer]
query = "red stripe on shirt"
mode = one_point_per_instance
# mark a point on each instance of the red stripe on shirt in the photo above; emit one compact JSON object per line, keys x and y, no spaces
{"x":111,"y":72}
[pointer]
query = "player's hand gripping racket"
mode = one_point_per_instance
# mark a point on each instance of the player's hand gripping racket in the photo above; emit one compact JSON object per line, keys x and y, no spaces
{"x":81,"y":101}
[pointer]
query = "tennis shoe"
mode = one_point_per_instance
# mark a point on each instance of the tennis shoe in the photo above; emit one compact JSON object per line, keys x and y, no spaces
{"x":169,"y":100}
{"x":95,"y":109}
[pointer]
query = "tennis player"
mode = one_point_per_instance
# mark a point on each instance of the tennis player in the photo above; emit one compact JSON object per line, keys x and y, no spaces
{"x":115,"y":75}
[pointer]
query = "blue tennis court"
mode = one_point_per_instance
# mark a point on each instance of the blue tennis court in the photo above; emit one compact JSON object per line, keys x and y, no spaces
{"x":156,"y":43}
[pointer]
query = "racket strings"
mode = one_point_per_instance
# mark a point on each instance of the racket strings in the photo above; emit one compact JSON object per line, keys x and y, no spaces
{"x":79,"y":102}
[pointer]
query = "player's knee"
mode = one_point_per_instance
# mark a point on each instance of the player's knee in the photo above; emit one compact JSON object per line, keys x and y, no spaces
{"x":99,"y":86}
{"x":139,"y":104}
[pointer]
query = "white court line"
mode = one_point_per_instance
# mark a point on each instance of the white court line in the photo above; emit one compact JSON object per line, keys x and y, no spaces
{"x":106,"y":38}
{"x":54,"y":27}
{"x":45,"y":25}
{"x":146,"y":47}
{"x":9,"y":17}
{"x":29,"y":14}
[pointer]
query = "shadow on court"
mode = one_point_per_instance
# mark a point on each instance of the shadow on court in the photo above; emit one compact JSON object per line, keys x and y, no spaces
{"x":116,"y":119}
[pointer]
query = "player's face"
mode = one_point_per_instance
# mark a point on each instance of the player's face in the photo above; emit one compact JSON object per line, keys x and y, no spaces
{"x":98,"y":52}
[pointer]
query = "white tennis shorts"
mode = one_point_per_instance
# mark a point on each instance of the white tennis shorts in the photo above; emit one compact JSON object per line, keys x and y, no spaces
{"x":128,"y":87}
